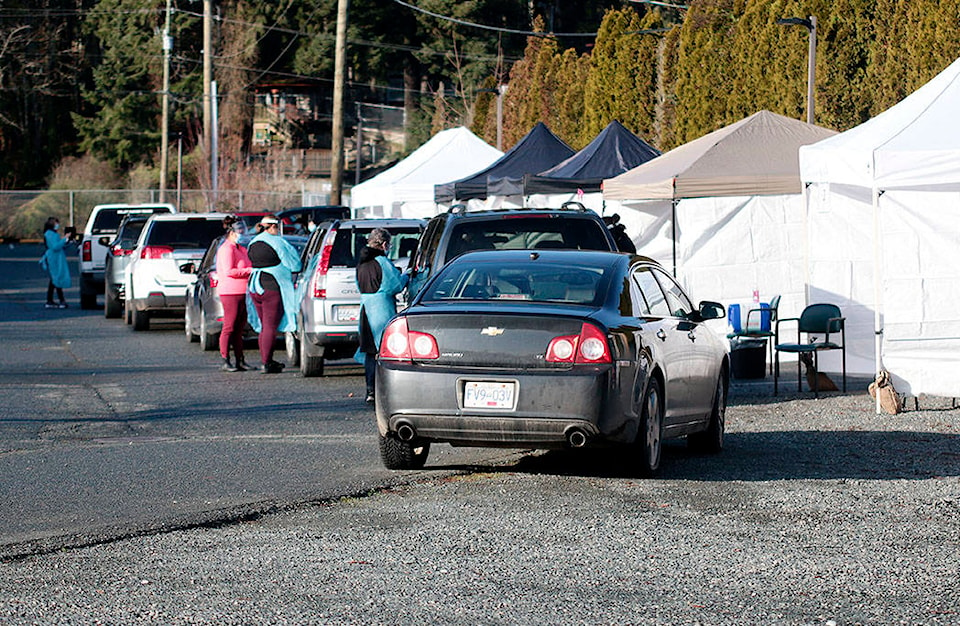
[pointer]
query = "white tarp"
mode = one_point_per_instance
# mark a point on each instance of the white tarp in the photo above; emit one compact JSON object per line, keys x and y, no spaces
{"x":888,"y":194}
{"x":407,"y":188}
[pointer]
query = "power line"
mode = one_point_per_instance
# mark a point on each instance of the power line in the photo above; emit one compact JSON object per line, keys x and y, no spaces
{"x":493,"y":28}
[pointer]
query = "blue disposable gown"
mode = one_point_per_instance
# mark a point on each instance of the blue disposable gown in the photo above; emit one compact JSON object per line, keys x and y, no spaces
{"x":289,"y":265}
{"x":381,"y":305}
{"x":54,"y":260}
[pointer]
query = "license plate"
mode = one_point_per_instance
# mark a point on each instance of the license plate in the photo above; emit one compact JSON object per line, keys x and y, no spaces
{"x":488,"y":395}
{"x":346,"y":313}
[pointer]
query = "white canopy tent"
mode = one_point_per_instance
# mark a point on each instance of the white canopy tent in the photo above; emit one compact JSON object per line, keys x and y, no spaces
{"x":406,"y":189}
{"x":729,"y":208}
{"x":884,"y":214}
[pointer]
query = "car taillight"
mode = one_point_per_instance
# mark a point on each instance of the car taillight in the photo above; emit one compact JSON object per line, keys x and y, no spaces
{"x":118,"y":251}
{"x":155,"y":252}
{"x":87,"y":252}
{"x":320,"y":277}
{"x":401,"y":344}
{"x":590,"y":346}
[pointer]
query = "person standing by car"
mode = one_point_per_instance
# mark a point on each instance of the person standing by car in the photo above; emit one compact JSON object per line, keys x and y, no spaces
{"x":54,"y":262}
{"x":379,"y":282}
{"x":233,"y":271}
{"x":270,"y":287}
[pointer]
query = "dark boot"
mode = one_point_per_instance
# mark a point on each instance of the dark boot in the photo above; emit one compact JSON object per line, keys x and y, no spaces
{"x":228,"y":366}
{"x":242,"y":364}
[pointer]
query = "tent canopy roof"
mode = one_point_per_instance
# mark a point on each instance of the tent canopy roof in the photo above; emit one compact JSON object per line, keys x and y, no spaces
{"x":614,"y":151}
{"x":448,"y":154}
{"x":539,"y":149}
{"x":755,"y":156}
{"x":913,"y":144}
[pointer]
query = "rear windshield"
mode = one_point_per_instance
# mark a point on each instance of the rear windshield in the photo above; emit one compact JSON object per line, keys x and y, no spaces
{"x":130,"y":232}
{"x":190,"y":233}
{"x":348,"y":242}
{"x":543,"y":231}
{"x":108,"y":220}
{"x":519,"y":282}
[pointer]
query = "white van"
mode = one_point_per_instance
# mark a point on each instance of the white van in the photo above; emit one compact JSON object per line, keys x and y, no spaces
{"x":99,"y":231}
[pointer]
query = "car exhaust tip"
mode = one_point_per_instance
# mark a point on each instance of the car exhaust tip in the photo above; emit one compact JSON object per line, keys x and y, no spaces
{"x":406,"y":432}
{"x":576,"y":438}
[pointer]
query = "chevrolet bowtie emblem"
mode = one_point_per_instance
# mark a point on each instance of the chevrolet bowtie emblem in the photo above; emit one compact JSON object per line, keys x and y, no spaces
{"x":493,"y":331}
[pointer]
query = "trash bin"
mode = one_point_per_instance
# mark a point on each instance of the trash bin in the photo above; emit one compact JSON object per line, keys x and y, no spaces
{"x":748,"y":358}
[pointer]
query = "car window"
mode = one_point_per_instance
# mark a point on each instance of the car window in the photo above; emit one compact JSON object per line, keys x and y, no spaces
{"x":348,"y":242}
{"x":129,"y":233}
{"x":428,"y":243}
{"x":678,"y":302}
{"x":518,"y":282}
{"x":108,"y":220}
{"x":647,"y":296}
{"x":543,"y":231}
{"x":190,"y":233}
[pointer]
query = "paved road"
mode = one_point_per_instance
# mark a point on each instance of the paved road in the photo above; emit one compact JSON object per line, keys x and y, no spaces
{"x":106,"y":432}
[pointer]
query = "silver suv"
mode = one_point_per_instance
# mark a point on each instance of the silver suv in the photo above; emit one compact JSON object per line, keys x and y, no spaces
{"x":98,"y":233}
{"x":327,"y":290}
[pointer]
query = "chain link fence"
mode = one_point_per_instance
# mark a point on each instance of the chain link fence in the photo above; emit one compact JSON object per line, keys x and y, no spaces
{"x":22,"y":213}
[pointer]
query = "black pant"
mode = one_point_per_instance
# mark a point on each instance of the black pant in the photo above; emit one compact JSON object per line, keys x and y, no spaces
{"x":50,"y":289}
{"x":370,"y":371}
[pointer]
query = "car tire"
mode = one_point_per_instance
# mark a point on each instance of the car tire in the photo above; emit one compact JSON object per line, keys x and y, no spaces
{"x":310,"y":366}
{"x":650,"y":437}
{"x":88,"y":301}
{"x":403,"y":455}
{"x":710,"y":441}
{"x":208,"y":341}
{"x":192,"y":337}
{"x":112,"y":306}
{"x":141,"y":320}
{"x":293,"y":349}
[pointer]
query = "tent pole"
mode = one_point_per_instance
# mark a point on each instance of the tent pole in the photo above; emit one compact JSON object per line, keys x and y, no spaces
{"x":673,"y":226}
{"x":877,"y":324}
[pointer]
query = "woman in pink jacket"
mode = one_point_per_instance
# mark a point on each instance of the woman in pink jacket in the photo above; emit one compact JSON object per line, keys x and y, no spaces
{"x":233,"y":271}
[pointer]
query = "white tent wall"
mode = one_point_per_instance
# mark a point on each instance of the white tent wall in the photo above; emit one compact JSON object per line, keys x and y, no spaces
{"x":920,"y":233}
{"x":840,"y":268}
{"x":730,"y":246}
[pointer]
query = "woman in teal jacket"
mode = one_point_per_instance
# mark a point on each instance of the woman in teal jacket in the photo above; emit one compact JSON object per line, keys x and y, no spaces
{"x":271,"y":290}
{"x":54,"y":262}
{"x":379,"y":282}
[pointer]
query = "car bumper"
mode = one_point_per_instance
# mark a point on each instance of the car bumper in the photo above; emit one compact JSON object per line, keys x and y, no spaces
{"x":552,"y":410}
{"x":158,"y":302}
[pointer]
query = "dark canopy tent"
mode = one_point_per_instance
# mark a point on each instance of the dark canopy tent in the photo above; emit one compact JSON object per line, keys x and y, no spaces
{"x":539,"y":150}
{"x":614,"y":151}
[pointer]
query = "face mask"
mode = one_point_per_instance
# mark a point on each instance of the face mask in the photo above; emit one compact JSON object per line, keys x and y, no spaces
{"x":311,"y":227}
{"x":56,"y":227}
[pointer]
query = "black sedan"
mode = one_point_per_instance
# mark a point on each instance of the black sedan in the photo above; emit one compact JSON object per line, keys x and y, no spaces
{"x":551,"y":349}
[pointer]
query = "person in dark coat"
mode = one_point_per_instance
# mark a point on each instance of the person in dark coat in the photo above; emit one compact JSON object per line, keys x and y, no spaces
{"x":379,"y":282}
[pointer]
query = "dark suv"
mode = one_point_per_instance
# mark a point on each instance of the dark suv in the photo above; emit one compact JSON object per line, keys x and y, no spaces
{"x":450,"y":234}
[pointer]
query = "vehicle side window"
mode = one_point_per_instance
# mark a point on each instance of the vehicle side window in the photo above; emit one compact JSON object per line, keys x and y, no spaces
{"x":678,"y":301}
{"x":648,"y":298}
{"x":428,"y":244}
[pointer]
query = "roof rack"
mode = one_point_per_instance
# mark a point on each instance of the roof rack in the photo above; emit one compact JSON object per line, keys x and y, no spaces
{"x":574,"y":204}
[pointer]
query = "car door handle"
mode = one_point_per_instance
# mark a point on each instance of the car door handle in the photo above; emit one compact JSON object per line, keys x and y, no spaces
{"x":661,"y":335}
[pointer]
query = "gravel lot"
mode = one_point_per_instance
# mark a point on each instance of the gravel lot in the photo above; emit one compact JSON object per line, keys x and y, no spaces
{"x":818,"y":512}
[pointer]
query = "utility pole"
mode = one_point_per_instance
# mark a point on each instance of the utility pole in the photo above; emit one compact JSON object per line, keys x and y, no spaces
{"x":165,"y":115}
{"x":339,"y":79}
{"x":207,"y":76}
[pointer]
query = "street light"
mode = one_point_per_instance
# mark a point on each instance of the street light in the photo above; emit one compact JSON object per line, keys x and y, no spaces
{"x":810,"y":24}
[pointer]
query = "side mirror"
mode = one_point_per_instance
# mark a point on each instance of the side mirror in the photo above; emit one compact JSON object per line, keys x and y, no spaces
{"x":711,"y":310}
{"x":188,"y":268}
